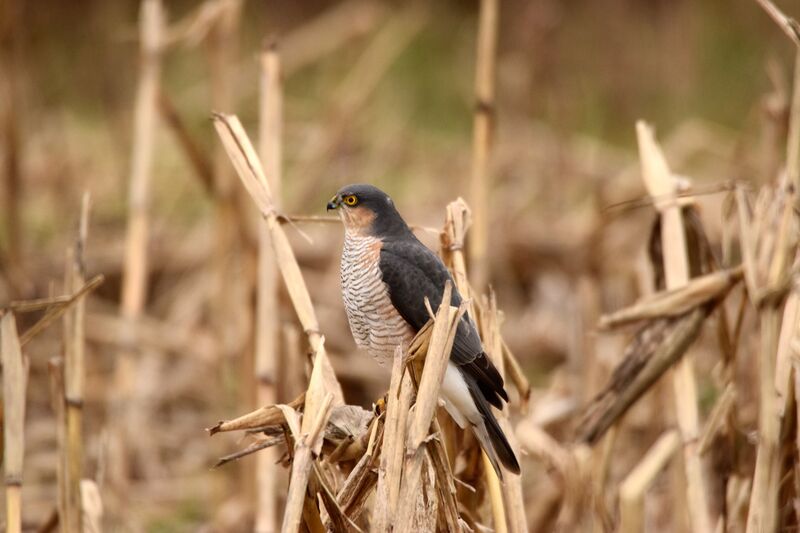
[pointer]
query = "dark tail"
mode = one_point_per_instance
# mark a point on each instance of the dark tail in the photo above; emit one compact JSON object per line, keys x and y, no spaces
{"x":499,"y":441}
{"x":500,"y":448}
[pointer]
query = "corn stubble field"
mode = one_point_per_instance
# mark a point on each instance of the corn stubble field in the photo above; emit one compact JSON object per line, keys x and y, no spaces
{"x":175,"y":368}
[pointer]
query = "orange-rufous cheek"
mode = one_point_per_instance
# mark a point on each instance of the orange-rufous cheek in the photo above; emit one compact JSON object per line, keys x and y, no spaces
{"x":357,"y":218}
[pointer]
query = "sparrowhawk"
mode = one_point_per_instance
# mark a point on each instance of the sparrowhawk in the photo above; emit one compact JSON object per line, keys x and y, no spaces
{"x":386,"y":275}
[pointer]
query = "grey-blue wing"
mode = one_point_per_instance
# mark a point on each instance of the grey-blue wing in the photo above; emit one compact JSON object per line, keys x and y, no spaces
{"x":412,"y":272}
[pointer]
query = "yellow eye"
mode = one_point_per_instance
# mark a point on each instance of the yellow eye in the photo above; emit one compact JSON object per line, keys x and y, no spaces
{"x":350,"y":200}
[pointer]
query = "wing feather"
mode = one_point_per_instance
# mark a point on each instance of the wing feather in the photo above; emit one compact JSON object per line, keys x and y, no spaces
{"x":411,"y":273}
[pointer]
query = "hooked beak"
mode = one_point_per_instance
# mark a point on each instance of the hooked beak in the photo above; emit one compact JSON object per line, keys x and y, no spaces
{"x":335,"y":202}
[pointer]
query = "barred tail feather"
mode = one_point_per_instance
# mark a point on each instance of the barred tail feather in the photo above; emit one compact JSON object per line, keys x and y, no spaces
{"x":491,"y":436}
{"x":467,"y":404}
{"x":494,"y":442}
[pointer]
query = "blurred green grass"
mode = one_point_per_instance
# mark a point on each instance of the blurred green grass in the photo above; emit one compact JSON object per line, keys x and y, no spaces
{"x":594,"y":69}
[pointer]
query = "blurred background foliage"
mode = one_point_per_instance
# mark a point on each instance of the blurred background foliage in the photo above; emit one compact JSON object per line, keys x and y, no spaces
{"x":572,"y":78}
{"x":579,"y":67}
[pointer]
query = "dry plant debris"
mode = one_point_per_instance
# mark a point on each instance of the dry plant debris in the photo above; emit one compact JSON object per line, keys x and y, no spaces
{"x":717,"y":317}
{"x":338,"y":455}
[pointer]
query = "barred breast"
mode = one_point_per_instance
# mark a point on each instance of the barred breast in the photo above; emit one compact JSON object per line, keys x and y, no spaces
{"x":376,"y":325}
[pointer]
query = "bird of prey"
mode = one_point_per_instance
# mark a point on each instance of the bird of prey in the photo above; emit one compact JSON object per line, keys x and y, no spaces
{"x":386,"y":274}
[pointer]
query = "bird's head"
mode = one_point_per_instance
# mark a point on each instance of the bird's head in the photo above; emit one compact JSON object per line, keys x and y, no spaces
{"x":367,"y":210}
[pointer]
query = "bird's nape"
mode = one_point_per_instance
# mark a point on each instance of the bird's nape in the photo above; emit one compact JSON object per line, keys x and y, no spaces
{"x":373,"y":204}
